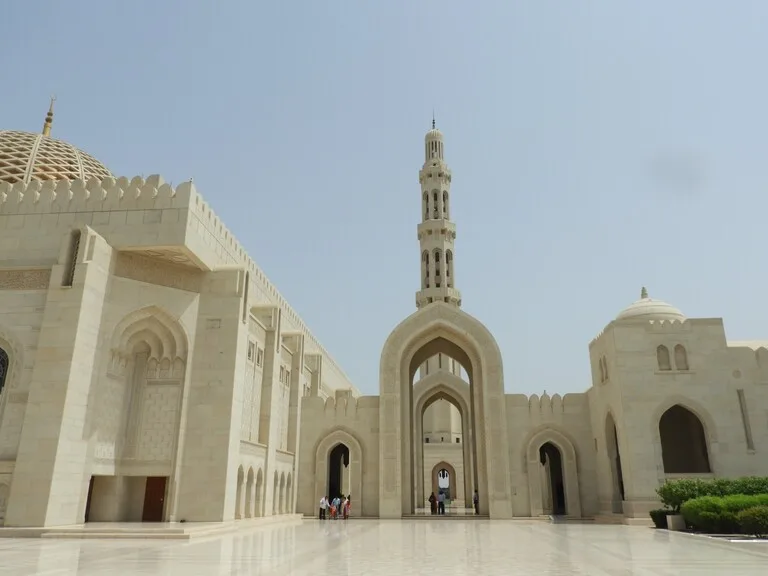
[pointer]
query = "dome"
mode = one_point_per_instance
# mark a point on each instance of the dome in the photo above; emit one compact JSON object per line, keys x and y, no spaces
{"x":26,"y":156}
{"x":649,"y":309}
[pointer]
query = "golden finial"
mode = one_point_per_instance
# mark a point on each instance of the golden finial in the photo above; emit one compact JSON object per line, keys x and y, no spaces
{"x":49,"y":118}
{"x":643,"y":293}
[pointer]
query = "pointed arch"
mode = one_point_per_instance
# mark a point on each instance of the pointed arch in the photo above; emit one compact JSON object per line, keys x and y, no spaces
{"x":322,"y":453}
{"x":426,"y":205}
{"x":442,"y":327}
{"x":446,"y":212}
{"x":683,"y":440}
{"x":259,"y":494}
{"x":155,"y":327}
{"x":560,"y":440}
{"x":681,"y":357}
{"x":239,"y":493}
{"x":662,"y":357}
{"x":10,"y":363}
{"x":249,"y":494}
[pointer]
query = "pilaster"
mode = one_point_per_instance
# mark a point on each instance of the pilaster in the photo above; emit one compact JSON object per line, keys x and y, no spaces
{"x":51,"y":469}
{"x":212,"y":441}
{"x":271,"y":317}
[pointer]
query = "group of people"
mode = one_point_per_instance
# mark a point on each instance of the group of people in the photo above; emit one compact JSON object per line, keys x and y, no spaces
{"x":437,"y":503}
{"x":337,"y":508}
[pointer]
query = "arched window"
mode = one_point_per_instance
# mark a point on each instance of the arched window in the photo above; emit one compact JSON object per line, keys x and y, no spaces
{"x":4,"y":367}
{"x":435,"y":207}
{"x":681,"y":357}
{"x":605,"y":369}
{"x":437,"y":268}
{"x":683,"y":442}
{"x":425,"y":268}
{"x":426,"y":206}
{"x":662,"y":356}
{"x":602,"y":370}
{"x":445,"y":205}
{"x":449,"y":267}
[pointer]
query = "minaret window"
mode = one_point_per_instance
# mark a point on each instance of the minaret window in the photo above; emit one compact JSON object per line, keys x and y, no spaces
{"x":425,"y":268}
{"x":449,"y":267}
{"x":426,"y":206}
{"x":437,"y":268}
{"x":435,"y":209}
{"x":445,"y":205}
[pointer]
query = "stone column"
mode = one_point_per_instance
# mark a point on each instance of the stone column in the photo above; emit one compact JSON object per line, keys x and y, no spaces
{"x":315,"y":364}
{"x":271,"y":318}
{"x":208,"y":485}
{"x":52,"y":470}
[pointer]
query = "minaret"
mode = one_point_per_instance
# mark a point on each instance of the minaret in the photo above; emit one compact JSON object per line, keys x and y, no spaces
{"x":436,"y":231}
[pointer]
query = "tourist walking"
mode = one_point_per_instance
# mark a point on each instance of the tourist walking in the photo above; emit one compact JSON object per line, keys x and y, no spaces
{"x":441,"y":503}
{"x":347,"y":506}
{"x":476,"y":502}
{"x":432,"y":504}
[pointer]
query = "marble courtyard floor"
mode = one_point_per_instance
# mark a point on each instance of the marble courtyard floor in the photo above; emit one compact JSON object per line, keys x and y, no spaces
{"x":391,"y":547}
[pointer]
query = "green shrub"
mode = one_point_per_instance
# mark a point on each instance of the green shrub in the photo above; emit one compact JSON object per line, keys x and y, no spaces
{"x":659,"y":517}
{"x":754,"y":520}
{"x":719,"y":514}
{"x":674,"y":493}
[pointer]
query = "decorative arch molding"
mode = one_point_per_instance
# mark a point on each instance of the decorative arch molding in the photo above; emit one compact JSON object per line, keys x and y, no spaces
{"x":440,"y":326}
{"x":323,"y":449}
{"x":450,"y":387}
{"x":164,"y":334}
{"x":561,"y":441}
{"x":452,"y":484}
{"x":707,"y":422}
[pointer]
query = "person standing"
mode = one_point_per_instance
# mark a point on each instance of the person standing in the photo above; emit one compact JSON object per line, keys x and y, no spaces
{"x":476,"y":502}
{"x":432,"y":504}
{"x":347,"y":507}
{"x":441,"y":503}
{"x":323,"y":506}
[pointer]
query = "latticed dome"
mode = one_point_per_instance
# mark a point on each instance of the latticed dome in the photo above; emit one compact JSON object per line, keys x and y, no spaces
{"x":25,"y":156}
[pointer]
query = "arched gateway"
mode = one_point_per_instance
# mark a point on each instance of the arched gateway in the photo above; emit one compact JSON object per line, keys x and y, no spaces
{"x":434,"y":329}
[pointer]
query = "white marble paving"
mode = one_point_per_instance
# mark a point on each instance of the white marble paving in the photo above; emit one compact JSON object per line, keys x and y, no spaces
{"x":371,"y":548}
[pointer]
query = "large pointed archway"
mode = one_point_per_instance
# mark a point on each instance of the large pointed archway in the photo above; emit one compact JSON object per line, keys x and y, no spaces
{"x":435,"y":329}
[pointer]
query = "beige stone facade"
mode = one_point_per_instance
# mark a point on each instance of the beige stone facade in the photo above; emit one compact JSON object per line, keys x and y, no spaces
{"x":150,"y":371}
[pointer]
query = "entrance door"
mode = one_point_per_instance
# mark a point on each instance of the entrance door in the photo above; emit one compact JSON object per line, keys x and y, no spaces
{"x":154,"y":498}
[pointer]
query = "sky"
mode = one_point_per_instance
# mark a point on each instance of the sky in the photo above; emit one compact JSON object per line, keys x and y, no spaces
{"x":596,"y":147}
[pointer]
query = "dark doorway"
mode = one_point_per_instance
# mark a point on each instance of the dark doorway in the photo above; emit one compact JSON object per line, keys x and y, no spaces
{"x":619,"y":473}
{"x":88,"y":501}
{"x":154,"y":499}
{"x":683,"y":442}
{"x":550,"y":455}
{"x":338,"y":459}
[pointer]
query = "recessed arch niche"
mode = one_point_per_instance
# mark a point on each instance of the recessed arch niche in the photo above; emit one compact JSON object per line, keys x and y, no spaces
{"x":442,"y":328}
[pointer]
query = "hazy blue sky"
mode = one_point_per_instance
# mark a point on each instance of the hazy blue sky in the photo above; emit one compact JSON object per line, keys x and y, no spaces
{"x":595,"y":146}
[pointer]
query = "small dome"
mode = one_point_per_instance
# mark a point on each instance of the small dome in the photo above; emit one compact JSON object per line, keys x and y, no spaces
{"x":434,"y":134}
{"x":25,"y":156}
{"x":649,"y":309}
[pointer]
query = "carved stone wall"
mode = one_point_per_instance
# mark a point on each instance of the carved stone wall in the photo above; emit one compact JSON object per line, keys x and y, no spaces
{"x":162,"y":273}
{"x":25,"y":279}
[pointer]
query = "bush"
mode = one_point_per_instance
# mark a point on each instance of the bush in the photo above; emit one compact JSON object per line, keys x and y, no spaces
{"x":754,"y":521}
{"x":674,"y":493}
{"x":659,"y":517}
{"x":719,"y":514}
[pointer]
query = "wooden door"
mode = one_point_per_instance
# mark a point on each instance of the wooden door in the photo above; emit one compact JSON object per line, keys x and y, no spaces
{"x":154,"y":499}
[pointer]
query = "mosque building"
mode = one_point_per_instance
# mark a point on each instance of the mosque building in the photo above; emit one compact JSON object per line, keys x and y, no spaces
{"x":149,"y":371}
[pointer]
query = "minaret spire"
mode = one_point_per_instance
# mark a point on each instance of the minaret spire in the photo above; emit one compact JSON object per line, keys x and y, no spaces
{"x":436,"y":231}
{"x":49,"y":118}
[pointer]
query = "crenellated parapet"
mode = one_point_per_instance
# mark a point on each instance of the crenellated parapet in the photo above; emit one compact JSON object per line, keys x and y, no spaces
{"x":95,"y":195}
{"x":545,"y":406}
{"x":344,"y":411}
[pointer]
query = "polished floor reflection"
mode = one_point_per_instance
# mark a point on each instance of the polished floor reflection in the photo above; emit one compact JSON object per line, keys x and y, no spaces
{"x":371,"y":548}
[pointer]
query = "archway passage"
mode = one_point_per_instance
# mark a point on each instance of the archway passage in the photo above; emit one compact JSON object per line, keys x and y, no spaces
{"x":338,"y":471}
{"x":441,"y":328}
{"x":614,"y":462}
{"x":553,"y":480}
{"x":683,"y":442}
{"x":444,"y":482}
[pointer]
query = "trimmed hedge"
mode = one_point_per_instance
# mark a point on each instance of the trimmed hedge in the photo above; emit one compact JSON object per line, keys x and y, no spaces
{"x":674,"y":493}
{"x":721,"y":514}
{"x":754,"y":521}
{"x":659,"y":517}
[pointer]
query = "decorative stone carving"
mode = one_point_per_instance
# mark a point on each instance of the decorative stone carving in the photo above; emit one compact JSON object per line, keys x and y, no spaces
{"x":144,"y":269}
{"x":37,"y":279}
